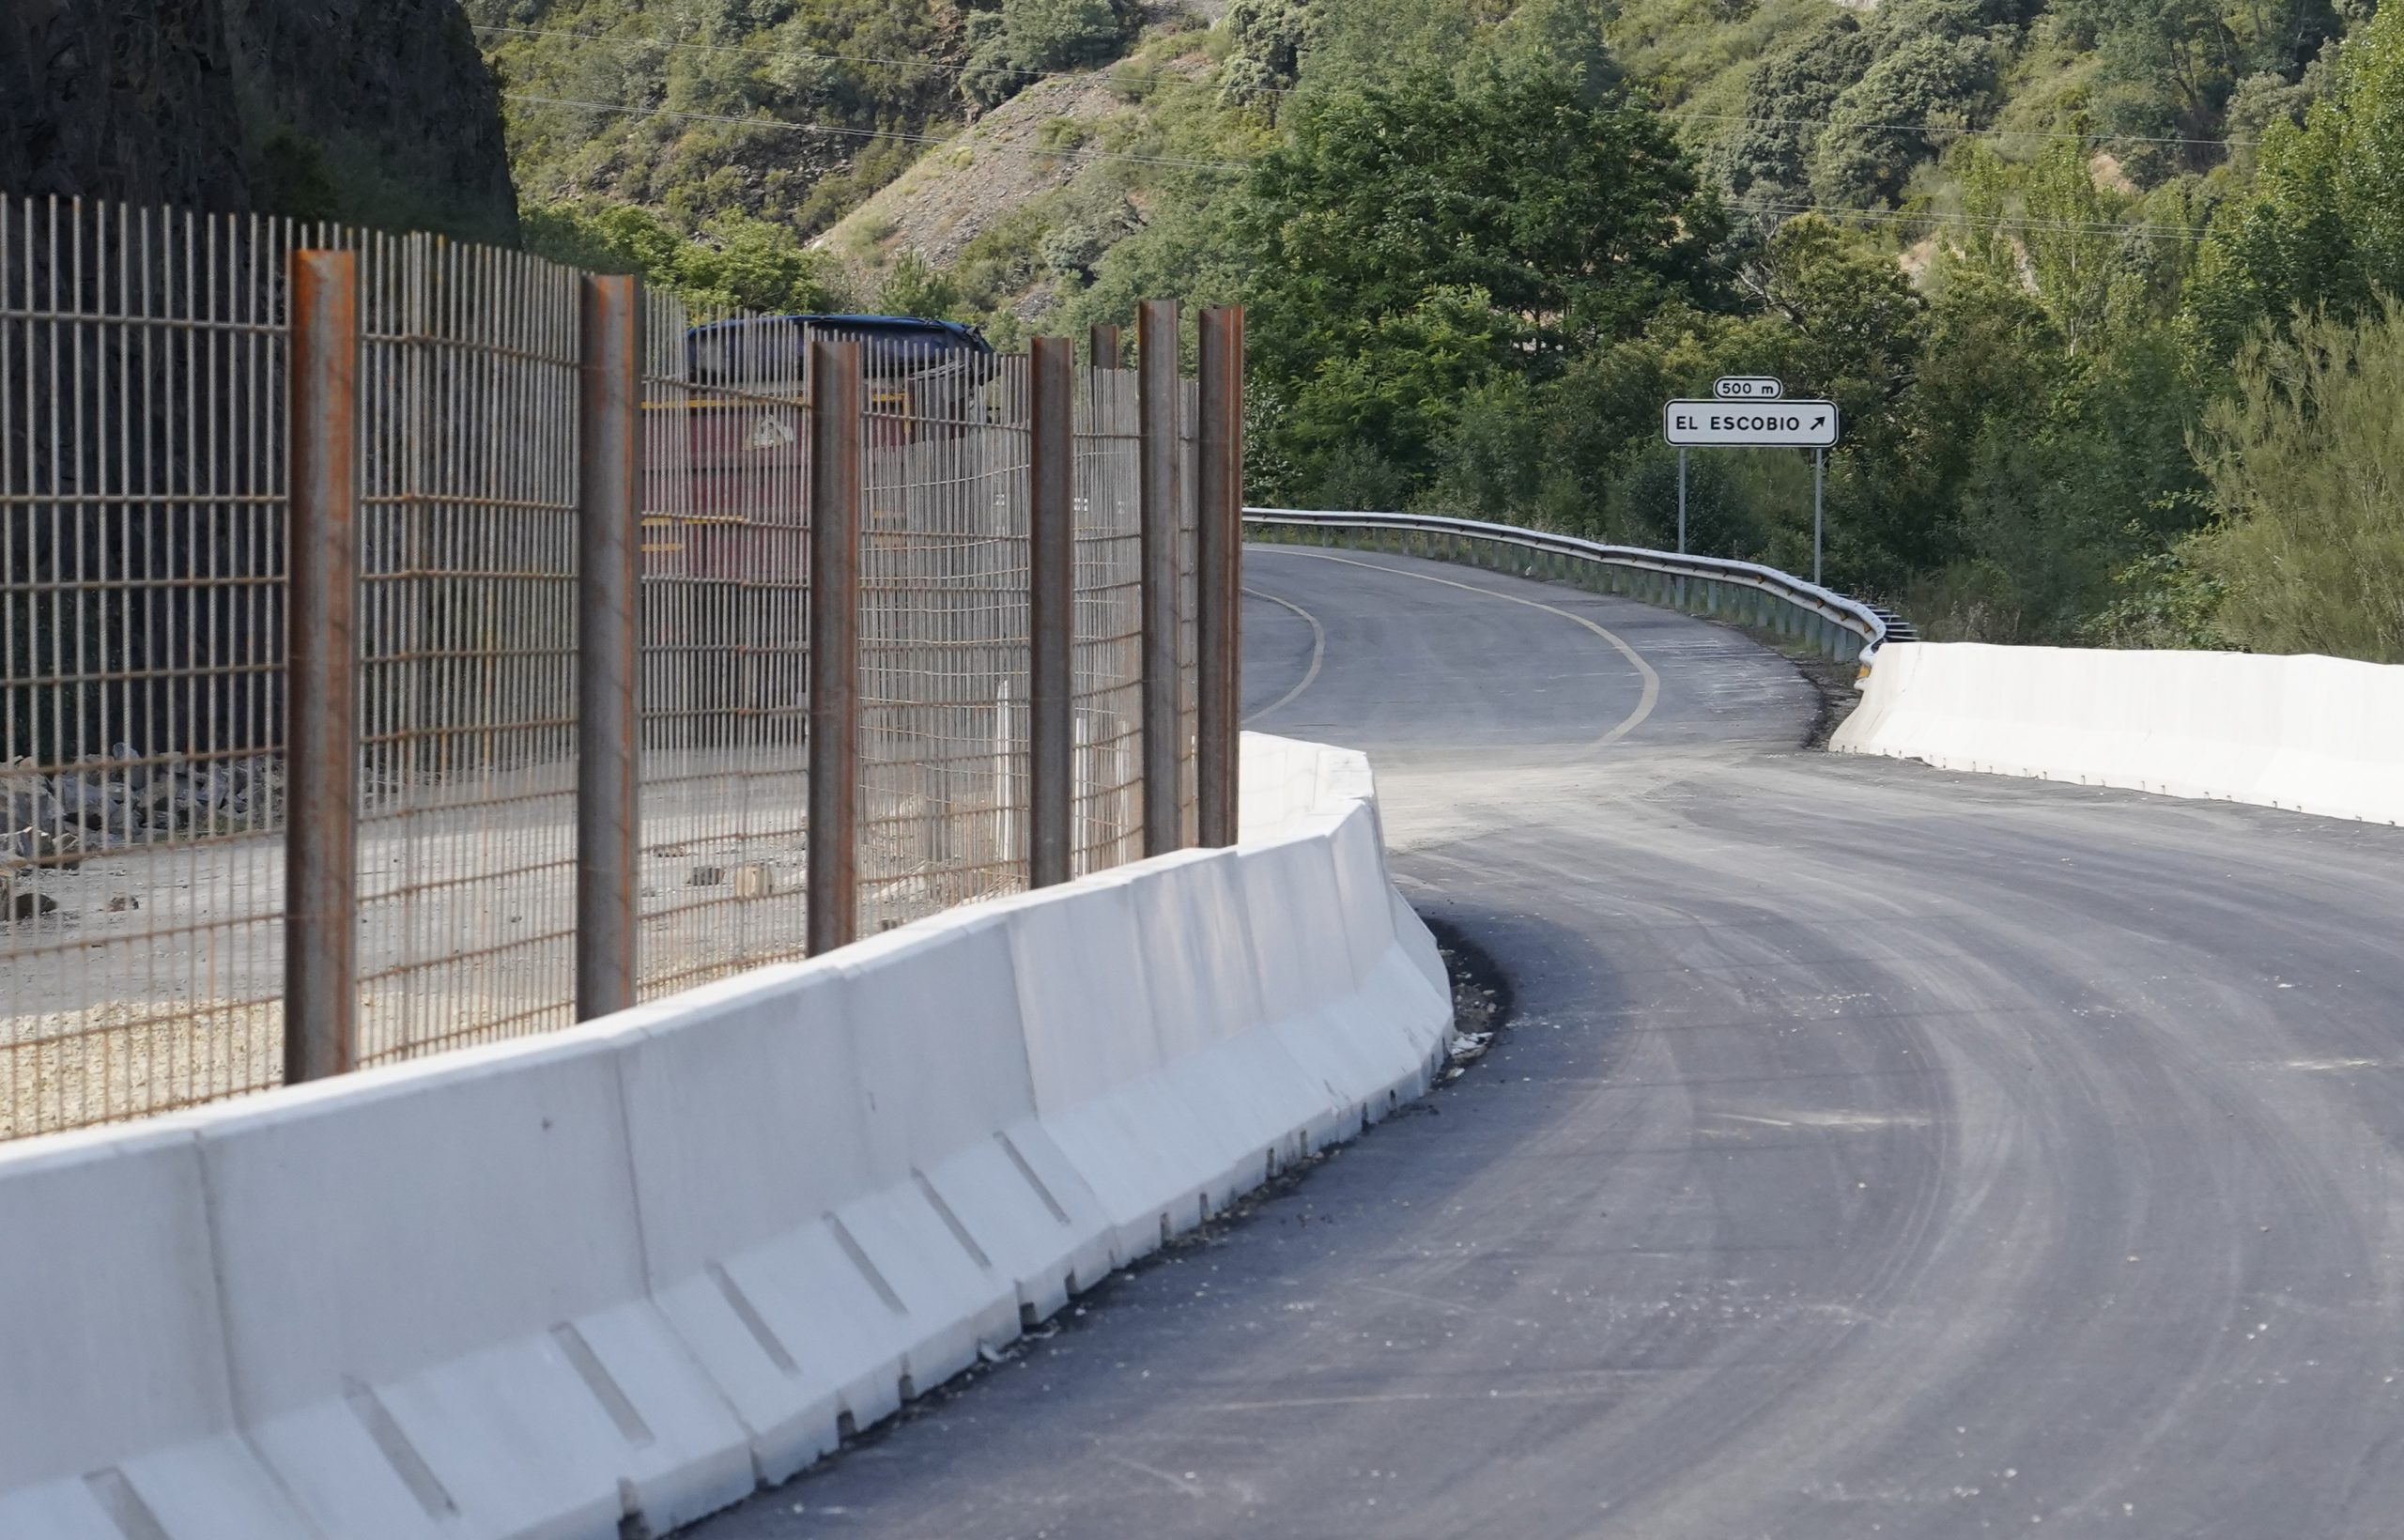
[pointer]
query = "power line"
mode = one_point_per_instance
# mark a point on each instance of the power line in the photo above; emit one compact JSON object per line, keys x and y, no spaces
{"x":2000,"y":221}
{"x":841,"y":130}
{"x":1969,"y":134}
{"x":1740,"y":204}
{"x":930,"y":64}
{"x":1880,"y":216}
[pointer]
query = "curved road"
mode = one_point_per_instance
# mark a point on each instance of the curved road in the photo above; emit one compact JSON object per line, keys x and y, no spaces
{"x":1874,"y":1150}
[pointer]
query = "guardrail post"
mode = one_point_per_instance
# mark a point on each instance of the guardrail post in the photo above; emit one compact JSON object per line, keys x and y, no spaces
{"x":1219,"y":588}
{"x":1160,"y":390}
{"x":835,"y":432}
{"x":609,"y":404}
{"x":1052,"y":577}
{"x":321,"y":672}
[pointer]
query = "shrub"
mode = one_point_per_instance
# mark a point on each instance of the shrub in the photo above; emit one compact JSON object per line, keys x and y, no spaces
{"x":1060,"y":34}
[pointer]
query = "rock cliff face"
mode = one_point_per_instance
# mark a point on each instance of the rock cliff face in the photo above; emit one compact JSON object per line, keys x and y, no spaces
{"x":116,"y":99}
{"x":379,"y":112}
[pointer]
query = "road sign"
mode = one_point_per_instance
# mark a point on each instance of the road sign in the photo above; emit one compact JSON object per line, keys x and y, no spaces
{"x":1748,"y":388}
{"x":1785,"y":424}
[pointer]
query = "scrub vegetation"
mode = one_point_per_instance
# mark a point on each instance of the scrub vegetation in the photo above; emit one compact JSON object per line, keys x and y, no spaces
{"x":2106,"y":288}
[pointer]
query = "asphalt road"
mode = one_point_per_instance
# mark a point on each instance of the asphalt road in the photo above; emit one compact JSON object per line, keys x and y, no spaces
{"x":1875,"y":1150}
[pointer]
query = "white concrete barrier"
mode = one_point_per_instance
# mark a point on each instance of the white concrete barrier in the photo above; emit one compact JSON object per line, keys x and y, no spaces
{"x":605,"y":1282}
{"x":2315,"y":734}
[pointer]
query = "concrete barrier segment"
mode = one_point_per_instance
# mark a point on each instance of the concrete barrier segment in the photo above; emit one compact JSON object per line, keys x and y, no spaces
{"x":792,"y":1148}
{"x":420,"y":1348}
{"x":2308,"y":734}
{"x":115,"y":1400}
{"x":612,"y":1279}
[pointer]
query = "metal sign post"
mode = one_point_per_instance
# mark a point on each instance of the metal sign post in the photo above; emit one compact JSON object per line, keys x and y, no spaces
{"x":1682,"y":501}
{"x":1819,"y":463}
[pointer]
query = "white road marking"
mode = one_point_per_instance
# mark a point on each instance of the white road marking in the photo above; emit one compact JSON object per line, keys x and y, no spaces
{"x":1318,"y":653}
{"x":1629,"y":724}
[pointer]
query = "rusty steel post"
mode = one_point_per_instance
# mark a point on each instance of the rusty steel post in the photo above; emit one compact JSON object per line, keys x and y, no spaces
{"x":836,"y":404}
{"x":1160,"y":391}
{"x":321,"y":672}
{"x":1106,"y":348}
{"x":608,"y":409}
{"x":1052,"y":611}
{"x":1219,"y":554}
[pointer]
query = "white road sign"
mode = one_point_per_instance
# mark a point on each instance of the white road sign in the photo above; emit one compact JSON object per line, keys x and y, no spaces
{"x":1782,"y":424}
{"x":1748,"y":388}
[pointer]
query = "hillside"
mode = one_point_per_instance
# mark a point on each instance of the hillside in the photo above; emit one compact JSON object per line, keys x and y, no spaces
{"x":875,"y":131}
{"x":1025,"y":184}
{"x":1007,"y":147}
{"x":2046,"y":255}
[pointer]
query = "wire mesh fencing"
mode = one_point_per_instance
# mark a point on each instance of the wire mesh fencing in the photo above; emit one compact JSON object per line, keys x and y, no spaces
{"x":145,"y":533}
{"x":1189,"y":609}
{"x":1109,"y":816}
{"x":467,"y":694}
{"x":944,"y":687}
{"x":141,"y":559}
{"x":724,"y":595}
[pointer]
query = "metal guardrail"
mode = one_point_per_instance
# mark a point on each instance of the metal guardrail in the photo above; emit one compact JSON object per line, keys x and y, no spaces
{"x":1744,"y":591}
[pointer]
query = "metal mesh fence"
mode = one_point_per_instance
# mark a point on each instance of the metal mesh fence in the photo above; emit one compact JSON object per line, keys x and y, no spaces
{"x":141,"y":554}
{"x":724,"y":652}
{"x":1109,"y":827}
{"x":467,"y":546}
{"x":143,"y":551}
{"x":1189,"y":607}
{"x":943,"y":558}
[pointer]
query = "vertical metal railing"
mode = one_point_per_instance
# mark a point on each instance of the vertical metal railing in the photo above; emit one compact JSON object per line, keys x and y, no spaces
{"x":834,"y":643}
{"x":1052,"y":613}
{"x":467,"y":458}
{"x":1189,"y":625}
{"x":609,"y":563}
{"x":1109,"y":621}
{"x":943,"y":620}
{"x":1218,"y":564}
{"x":321,"y":673}
{"x":407,"y":643}
{"x":723,"y":654}
{"x":1160,"y":394}
{"x":141,"y":583}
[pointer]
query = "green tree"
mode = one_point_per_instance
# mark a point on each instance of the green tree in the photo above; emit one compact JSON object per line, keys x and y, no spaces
{"x":1875,"y":134}
{"x":2048,"y":224}
{"x":1264,"y":43}
{"x":1787,"y":96}
{"x":1045,"y":35}
{"x":2323,"y":228}
{"x":2308,"y":468}
{"x":1410,"y":240}
{"x":916,"y":287}
{"x":735,"y":263}
{"x":586,"y":76}
{"x":1855,"y":316}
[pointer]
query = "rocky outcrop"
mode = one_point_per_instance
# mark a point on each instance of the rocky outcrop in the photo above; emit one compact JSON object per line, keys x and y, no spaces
{"x":116,"y":100}
{"x":373,"y":112}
